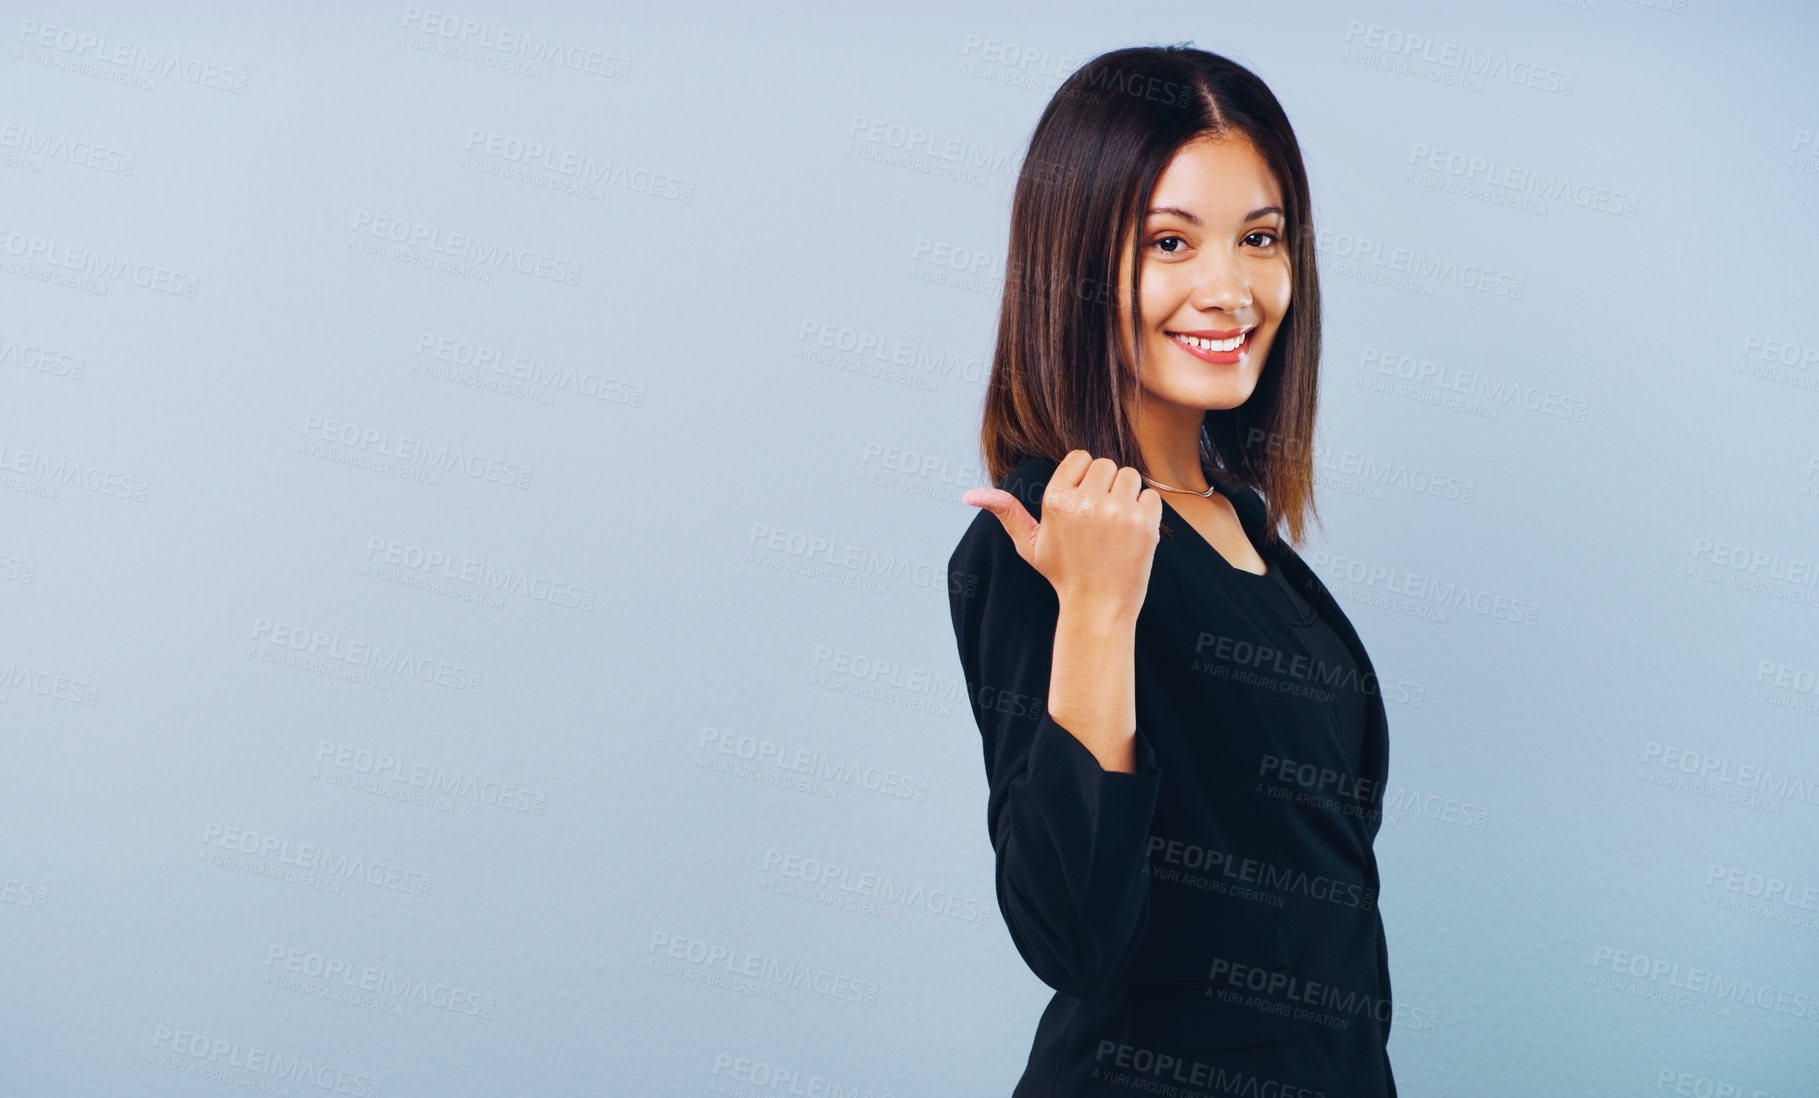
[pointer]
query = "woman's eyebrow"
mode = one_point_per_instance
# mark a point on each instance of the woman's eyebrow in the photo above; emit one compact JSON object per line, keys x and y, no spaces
{"x":1192,"y":220}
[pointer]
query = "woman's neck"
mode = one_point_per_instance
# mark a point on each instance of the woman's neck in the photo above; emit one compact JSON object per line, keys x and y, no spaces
{"x":1171,"y":450}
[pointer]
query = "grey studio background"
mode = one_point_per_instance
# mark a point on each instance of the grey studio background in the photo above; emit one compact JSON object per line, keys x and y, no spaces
{"x":478,"y":483}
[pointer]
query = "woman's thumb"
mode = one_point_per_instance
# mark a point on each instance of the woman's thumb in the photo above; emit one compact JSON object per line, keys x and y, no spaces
{"x":1011,"y":513}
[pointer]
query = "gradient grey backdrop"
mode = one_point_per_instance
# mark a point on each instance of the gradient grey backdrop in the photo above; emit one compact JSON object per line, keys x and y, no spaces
{"x":477,"y":485}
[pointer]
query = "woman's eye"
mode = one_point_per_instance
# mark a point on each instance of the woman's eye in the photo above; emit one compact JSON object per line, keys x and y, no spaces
{"x":1175,"y":245}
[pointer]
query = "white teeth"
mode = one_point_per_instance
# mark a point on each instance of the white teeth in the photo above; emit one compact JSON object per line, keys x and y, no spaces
{"x":1213,"y":344}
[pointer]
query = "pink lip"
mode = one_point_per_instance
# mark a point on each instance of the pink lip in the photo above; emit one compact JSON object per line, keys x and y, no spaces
{"x":1209,"y":334}
{"x":1218,"y":358}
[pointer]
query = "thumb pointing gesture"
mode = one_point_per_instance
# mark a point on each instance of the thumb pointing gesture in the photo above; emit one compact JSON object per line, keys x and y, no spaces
{"x":1016,"y":519}
{"x":1097,"y":538}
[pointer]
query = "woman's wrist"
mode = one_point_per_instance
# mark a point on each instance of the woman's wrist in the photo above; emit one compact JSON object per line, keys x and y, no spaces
{"x":1095,"y":614}
{"x":1092,"y":688}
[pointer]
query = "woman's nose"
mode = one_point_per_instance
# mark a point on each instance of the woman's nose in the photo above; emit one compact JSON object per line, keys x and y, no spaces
{"x":1220,"y":284}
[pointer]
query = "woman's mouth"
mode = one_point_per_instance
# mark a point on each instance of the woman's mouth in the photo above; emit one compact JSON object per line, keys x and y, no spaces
{"x":1220,"y":352}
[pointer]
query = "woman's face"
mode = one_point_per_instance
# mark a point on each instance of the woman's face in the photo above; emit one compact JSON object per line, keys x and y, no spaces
{"x":1215,"y":266}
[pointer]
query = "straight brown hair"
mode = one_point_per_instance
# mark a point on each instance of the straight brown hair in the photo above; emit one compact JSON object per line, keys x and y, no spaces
{"x":1059,"y":381}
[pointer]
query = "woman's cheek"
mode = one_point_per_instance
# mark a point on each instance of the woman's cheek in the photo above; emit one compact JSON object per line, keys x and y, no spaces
{"x":1274,"y":290}
{"x":1160,"y":293}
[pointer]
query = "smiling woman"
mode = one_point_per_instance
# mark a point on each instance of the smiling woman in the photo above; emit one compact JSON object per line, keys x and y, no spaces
{"x":1183,"y":814}
{"x":1202,"y":147}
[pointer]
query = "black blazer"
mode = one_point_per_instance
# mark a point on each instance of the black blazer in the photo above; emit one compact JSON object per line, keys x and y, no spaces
{"x":1211,"y":917}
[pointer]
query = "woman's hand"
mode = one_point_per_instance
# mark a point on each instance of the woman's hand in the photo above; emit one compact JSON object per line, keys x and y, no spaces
{"x":1098,"y":534}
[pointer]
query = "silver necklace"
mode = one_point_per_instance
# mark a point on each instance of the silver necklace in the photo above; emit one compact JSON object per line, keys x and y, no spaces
{"x":1208,"y":494}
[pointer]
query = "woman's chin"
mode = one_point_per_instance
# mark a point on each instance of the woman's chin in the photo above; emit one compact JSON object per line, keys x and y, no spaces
{"x":1212,"y":395}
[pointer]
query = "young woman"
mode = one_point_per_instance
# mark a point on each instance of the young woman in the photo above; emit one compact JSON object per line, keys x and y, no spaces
{"x":1183,"y":737}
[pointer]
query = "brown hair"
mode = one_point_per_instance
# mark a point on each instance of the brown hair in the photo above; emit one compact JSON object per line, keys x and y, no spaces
{"x":1058,"y":379}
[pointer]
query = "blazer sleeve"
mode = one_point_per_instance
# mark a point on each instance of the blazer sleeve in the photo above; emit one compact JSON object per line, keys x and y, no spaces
{"x":1070,"y":837}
